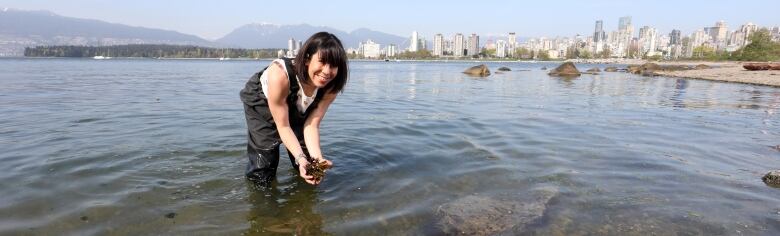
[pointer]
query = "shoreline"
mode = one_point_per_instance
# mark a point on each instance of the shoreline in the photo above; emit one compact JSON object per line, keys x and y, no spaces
{"x":727,"y":72}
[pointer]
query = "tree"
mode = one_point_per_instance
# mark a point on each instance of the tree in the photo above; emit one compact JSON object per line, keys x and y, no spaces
{"x":523,"y":53}
{"x":489,"y":52}
{"x":606,"y":53}
{"x":761,"y":48}
{"x":543,"y":55}
{"x":703,"y":51}
{"x":585,"y":54}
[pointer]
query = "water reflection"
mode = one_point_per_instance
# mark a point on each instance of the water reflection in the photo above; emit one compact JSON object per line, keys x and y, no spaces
{"x":283,"y":210}
{"x":678,"y":96}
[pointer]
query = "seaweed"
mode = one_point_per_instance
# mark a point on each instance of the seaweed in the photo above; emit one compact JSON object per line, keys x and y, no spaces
{"x":316,"y":169}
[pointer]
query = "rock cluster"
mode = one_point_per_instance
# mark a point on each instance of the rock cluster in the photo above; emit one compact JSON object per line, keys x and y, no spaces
{"x":480,"y":70}
{"x":566,"y":69}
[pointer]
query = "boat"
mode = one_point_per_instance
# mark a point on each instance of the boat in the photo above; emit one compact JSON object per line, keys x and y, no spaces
{"x":100,"y":57}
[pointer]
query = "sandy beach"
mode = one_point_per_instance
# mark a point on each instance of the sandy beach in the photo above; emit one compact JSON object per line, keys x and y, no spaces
{"x":725,"y":71}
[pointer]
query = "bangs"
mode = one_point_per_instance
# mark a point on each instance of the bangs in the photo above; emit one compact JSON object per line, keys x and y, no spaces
{"x":333,"y":54}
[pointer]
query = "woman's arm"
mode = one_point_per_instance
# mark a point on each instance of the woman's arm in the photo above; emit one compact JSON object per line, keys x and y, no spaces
{"x":278,"y":89}
{"x":311,"y":129}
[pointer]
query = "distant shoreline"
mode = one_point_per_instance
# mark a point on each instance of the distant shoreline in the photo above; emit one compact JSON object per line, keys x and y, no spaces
{"x":724,"y":71}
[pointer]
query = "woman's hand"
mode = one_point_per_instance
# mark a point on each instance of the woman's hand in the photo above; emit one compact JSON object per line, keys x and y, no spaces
{"x":302,"y":164}
{"x":328,"y":163}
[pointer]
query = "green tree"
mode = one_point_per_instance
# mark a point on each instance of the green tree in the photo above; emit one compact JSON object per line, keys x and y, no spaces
{"x":585,"y":54}
{"x":761,"y":48}
{"x":543,"y":55}
{"x":523,"y":53}
{"x":490,"y":52}
{"x":606,"y":53}
{"x":703,"y":51}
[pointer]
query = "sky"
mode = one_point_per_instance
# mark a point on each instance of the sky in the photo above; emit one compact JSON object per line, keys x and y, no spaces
{"x":212,"y":19}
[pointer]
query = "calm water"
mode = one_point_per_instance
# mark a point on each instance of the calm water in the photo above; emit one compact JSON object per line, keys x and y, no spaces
{"x":135,"y":147}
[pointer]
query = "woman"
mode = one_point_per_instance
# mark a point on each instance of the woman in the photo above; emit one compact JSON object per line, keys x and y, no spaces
{"x":286,"y":102}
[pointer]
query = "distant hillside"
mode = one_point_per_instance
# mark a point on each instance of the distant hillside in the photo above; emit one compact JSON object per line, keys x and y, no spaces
{"x":276,"y":36}
{"x":19,"y":29}
{"x":148,"y":51}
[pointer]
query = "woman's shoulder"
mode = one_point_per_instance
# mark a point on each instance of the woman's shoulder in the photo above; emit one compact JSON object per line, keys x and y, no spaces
{"x":277,"y":73}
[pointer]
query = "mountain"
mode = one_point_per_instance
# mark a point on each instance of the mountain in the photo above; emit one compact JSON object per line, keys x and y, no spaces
{"x":19,"y":29}
{"x":276,"y":36}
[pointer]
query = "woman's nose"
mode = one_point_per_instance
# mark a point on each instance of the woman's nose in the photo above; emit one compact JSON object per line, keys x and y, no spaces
{"x":326,"y":69}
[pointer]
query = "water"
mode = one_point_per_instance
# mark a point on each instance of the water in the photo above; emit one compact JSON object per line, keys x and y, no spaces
{"x":135,"y":147}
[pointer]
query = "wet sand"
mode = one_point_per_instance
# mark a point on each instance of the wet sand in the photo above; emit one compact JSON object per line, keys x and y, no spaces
{"x":725,"y":71}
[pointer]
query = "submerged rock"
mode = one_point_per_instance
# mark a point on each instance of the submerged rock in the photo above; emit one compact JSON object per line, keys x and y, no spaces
{"x":565,"y":69}
{"x":702,"y":66}
{"x":593,"y":70}
{"x":544,"y":68}
{"x":482,"y":215}
{"x":772,"y":178}
{"x":647,"y":69}
{"x":611,"y":69}
{"x":480,"y":70}
{"x":503,"y":68}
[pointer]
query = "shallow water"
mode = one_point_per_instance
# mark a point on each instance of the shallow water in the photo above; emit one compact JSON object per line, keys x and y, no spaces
{"x":134,"y":147}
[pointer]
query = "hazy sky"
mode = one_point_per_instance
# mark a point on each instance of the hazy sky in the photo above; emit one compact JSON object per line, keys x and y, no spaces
{"x":213,"y":19}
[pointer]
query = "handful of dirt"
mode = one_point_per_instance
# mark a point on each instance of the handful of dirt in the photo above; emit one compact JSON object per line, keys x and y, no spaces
{"x":317,"y":169}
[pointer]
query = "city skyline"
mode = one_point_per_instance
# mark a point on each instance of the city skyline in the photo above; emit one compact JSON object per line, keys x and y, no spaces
{"x":212,"y":19}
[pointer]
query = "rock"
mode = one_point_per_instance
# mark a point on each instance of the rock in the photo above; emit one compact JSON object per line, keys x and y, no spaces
{"x":480,"y":70}
{"x":611,"y":69}
{"x":565,"y":69}
{"x":544,"y":68}
{"x":772,"y":178}
{"x":701,"y":67}
{"x":482,"y":215}
{"x":633,"y":69}
{"x":647,"y":69}
{"x":761,"y":66}
{"x":594,"y":69}
{"x":675,"y":67}
{"x":504,"y":69}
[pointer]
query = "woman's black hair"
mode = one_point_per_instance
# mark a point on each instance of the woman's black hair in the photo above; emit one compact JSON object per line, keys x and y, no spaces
{"x":331,"y":52}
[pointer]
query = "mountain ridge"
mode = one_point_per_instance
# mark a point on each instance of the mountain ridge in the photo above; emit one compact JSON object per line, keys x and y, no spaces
{"x":23,"y":28}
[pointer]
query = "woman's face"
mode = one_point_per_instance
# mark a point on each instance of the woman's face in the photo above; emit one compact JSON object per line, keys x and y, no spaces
{"x":321,"y":74}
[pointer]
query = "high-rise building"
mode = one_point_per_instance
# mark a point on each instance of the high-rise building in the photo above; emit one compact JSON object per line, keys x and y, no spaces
{"x":698,"y":38}
{"x":748,"y":30}
{"x":473,"y":45}
{"x":371,"y":49}
{"x":414,"y":42}
{"x":291,"y":50}
{"x":625,"y":36}
{"x":598,"y":34}
{"x":391,"y":50}
{"x":624,"y":23}
{"x":512,"y":45}
{"x":501,"y":48}
{"x":647,"y":39}
{"x":460,"y":45}
{"x":718,"y":33}
{"x":438,"y":45}
{"x":291,"y":44}
{"x":598,"y":37}
{"x":675,"y":37}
